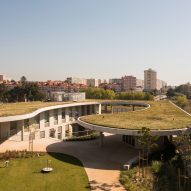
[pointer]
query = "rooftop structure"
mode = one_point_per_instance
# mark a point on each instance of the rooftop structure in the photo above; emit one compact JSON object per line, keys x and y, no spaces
{"x":160,"y":115}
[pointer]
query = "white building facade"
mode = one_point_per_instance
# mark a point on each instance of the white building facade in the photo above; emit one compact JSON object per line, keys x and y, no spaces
{"x":54,"y":121}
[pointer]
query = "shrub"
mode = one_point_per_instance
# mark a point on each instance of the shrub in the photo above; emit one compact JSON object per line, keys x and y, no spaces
{"x":156,"y":166}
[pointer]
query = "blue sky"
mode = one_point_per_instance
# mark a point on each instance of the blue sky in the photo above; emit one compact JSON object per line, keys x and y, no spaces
{"x":54,"y":39}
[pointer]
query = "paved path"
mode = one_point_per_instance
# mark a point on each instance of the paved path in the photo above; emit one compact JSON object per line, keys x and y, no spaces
{"x":101,"y":164}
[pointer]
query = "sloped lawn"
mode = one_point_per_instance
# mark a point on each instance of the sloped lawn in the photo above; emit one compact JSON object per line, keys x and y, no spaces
{"x":25,"y":174}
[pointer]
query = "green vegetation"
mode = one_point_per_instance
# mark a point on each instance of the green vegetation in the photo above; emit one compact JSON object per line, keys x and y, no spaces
{"x":162,"y":173}
{"x":188,"y":107}
{"x":182,"y":101}
{"x":183,"y":89}
{"x":25,"y":92}
{"x":148,"y":142}
{"x":25,"y":174}
{"x":99,"y":93}
{"x":11,"y":109}
{"x":82,"y":138}
{"x":161,"y":115}
{"x":134,"y":96}
{"x":19,"y":154}
{"x":132,"y":182}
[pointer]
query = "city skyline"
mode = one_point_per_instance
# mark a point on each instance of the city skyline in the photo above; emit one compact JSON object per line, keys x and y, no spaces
{"x":44,"y":40}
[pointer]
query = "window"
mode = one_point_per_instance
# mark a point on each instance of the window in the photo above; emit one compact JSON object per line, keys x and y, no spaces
{"x":13,"y":127}
{"x":63,"y":113}
{"x":46,"y":118}
{"x":26,"y":125}
{"x":37,"y":122}
{"x":42,"y":134}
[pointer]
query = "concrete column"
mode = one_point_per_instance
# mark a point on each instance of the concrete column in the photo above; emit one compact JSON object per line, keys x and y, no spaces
{"x":70,"y":131}
{"x":99,"y":110}
{"x":22,"y":129}
{"x":101,"y":139}
{"x":67,"y":114}
{"x":42,"y":120}
{"x":59,"y":116}
{"x":63,"y":132}
{"x":51,"y":118}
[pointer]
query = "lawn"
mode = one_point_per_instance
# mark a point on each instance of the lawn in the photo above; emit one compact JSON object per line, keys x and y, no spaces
{"x":11,"y":109}
{"x":161,"y":115}
{"x":25,"y":174}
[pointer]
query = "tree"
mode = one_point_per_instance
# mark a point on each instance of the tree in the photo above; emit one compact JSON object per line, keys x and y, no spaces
{"x":99,"y":93}
{"x":182,"y":101}
{"x":147,"y":142}
{"x":23,"y":79}
{"x":26,"y":92}
{"x":170,"y":92}
{"x":3,"y":90}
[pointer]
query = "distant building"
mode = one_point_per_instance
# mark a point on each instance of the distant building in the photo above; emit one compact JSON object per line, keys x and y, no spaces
{"x":139,"y":85}
{"x":128,"y":83}
{"x":150,"y":80}
{"x":115,"y":81}
{"x":73,"y":80}
{"x":62,"y":96}
{"x":161,"y":84}
{"x":4,"y":78}
{"x":92,"y":82}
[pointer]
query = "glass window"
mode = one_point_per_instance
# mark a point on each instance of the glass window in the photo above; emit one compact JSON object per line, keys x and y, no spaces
{"x":46,"y":116}
{"x":42,"y":134}
{"x":55,"y":113}
{"x":63,"y":113}
{"x":13,"y":125}
{"x":26,"y":125}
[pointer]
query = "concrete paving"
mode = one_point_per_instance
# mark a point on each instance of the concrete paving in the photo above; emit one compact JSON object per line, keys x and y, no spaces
{"x":102,"y":164}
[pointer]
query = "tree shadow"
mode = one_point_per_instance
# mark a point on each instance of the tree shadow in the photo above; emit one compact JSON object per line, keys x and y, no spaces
{"x":112,"y":156}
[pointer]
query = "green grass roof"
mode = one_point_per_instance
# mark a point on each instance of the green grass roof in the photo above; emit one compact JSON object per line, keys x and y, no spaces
{"x":20,"y":108}
{"x":161,"y":115}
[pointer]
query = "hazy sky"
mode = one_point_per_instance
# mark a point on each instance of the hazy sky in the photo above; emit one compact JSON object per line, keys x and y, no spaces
{"x":53,"y":39}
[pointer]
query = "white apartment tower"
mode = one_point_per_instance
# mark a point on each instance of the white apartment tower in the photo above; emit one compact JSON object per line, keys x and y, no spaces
{"x":150,"y":80}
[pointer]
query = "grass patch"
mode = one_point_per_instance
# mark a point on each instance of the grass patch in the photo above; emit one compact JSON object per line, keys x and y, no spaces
{"x":25,"y":174}
{"x":160,"y":116}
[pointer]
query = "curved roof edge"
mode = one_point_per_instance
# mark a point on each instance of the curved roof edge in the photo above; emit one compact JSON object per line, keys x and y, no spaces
{"x":134,"y":132}
{"x":38,"y":111}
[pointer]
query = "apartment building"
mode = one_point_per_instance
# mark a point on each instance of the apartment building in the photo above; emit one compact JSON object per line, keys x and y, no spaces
{"x":74,"y":80}
{"x":92,"y":82}
{"x":150,"y":80}
{"x":128,"y":83}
